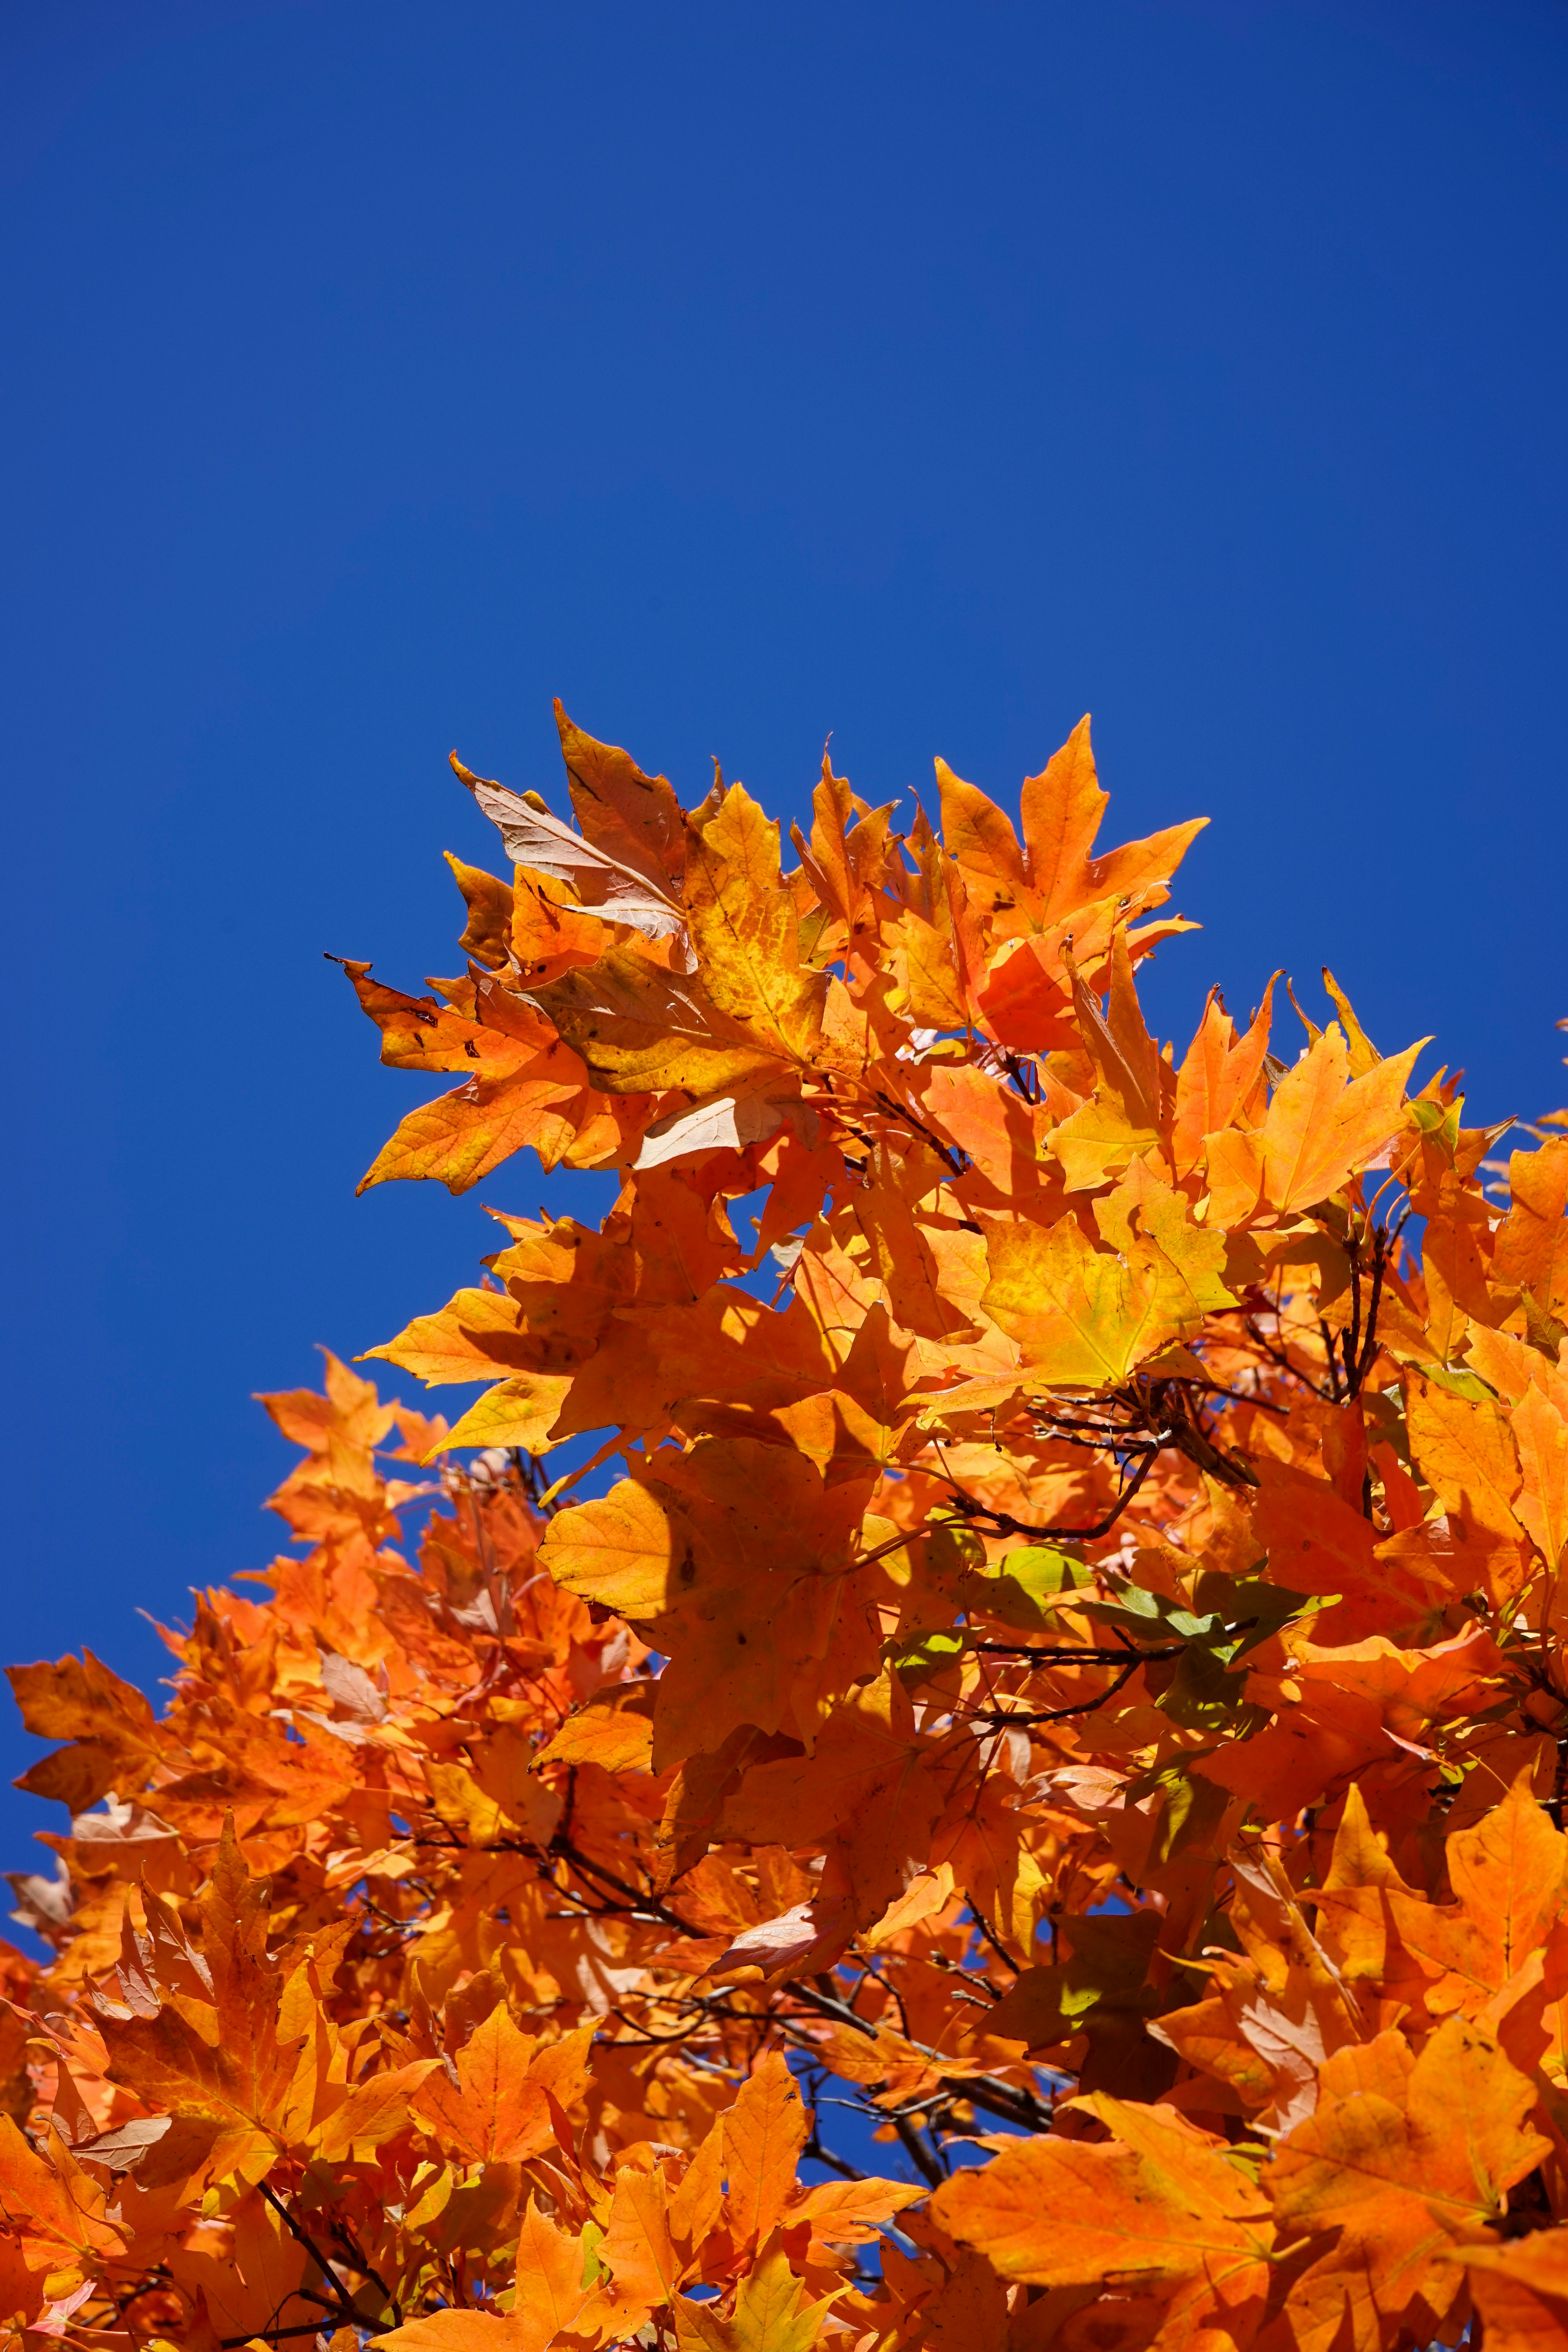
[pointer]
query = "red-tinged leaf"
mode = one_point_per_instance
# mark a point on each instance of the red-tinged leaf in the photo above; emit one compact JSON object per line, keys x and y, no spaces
{"x":1520,"y":2291}
{"x":417,"y":1033}
{"x":48,"y":2196}
{"x":489,"y":902}
{"x":463,"y":1136}
{"x":635,"y":818}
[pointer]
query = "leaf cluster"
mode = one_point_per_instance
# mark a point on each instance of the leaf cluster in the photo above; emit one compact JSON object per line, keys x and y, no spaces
{"x":1064,"y":1662}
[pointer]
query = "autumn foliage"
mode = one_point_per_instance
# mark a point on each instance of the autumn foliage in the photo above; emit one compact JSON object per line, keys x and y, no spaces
{"x":1039,"y":1654}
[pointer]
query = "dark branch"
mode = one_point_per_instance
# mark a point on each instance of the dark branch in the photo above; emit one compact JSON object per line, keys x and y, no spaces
{"x":1060,"y":1714}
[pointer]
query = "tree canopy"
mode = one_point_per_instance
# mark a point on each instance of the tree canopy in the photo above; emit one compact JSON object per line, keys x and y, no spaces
{"x":1045,"y":1659}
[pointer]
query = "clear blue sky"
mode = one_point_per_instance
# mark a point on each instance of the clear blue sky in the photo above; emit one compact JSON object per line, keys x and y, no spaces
{"x":924,"y":374}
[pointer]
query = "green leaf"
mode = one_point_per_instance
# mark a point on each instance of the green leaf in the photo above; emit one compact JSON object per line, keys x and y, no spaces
{"x":1044,"y":1569}
{"x":1023,"y":1590}
{"x":1204,"y":1695}
{"x":920,"y":1660}
{"x":1468,"y":1385}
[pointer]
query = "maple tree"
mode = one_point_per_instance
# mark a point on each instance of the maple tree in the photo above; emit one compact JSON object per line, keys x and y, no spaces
{"x":1066,"y":1660}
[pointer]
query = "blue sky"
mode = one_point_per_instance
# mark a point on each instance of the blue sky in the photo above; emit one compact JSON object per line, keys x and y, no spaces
{"x":925,"y":373}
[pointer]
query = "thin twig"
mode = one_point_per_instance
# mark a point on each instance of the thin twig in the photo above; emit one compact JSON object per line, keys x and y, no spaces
{"x":1059,"y":1713}
{"x":1034,"y":1656}
{"x":926,"y":2163}
{"x":1006,"y":1524}
{"x":984,"y":1924}
{"x":345,"y":2300}
{"x":304,"y":2328}
{"x":1370,"y":1345}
